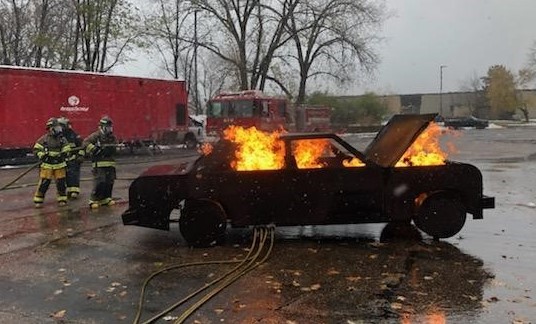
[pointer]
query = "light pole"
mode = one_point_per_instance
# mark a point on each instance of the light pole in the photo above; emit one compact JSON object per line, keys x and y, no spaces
{"x":196,"y":93}
{"x":441,"y":89}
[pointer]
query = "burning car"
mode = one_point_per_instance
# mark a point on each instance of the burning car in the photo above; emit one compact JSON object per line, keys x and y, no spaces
{"x":254,"y":178}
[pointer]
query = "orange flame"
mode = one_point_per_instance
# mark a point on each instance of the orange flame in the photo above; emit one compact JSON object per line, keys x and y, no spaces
{"x":206,"y":149}
{"x":425,"y":150}
{"x":257,"y":150}
{"x":354,"y":162}
{"x":307,"y":153}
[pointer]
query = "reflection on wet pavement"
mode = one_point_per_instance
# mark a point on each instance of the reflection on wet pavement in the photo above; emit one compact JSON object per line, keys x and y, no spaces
{"x":87,"y":267}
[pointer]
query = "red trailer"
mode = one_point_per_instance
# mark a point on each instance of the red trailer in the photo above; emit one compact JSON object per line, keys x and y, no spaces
{"x":142,"y":109}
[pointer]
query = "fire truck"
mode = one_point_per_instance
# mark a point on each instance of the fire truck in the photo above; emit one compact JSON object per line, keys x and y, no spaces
{"x":143,"y":109}
{"x":313,"y":118}
{"x":247,"y":109}
{"x":254,"y":108}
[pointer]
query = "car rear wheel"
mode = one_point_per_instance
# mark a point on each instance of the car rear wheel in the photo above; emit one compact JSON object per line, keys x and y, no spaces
{"x":400,"y":231}
{"x":190,"y":141}
{"x":202,"y":222}
{"x":441,"y":215}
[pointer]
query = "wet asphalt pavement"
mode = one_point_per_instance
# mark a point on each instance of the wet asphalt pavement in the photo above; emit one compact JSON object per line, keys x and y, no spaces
{"x":73,"y":265}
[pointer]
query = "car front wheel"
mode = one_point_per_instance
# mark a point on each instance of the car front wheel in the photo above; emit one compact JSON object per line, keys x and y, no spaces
{"x":441,"y":215}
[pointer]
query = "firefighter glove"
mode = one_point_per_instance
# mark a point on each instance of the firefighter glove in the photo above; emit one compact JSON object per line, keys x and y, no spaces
{"x":97,"y":151}
{"x":80,"y":156}
{"x":42,"y":155}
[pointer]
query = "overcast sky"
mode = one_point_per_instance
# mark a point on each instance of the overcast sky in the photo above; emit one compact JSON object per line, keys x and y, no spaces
{"x":468,"y":36}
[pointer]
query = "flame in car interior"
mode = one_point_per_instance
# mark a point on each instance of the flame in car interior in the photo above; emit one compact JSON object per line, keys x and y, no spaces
{"x":258,"y":150}
{"x":307,"y":153}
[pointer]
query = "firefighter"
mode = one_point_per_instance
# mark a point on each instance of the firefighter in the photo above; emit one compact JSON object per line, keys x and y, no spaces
{"x":101,"y":147}
{"x":52,"y":150}
{"x":74,"y":159}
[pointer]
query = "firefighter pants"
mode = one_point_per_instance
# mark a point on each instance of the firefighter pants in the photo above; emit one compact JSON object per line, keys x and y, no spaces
{"x":103,"y":183}
{"x":73,"y":177}
{"x":45,"y":177}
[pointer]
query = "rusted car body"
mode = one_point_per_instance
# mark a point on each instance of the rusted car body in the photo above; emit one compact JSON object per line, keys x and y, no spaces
{"x":211,"y":195}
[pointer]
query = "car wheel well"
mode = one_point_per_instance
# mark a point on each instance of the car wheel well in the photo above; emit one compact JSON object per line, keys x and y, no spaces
{"x":440,"y":214}
{"x":202,"y":222}
{"x":190,"y":140}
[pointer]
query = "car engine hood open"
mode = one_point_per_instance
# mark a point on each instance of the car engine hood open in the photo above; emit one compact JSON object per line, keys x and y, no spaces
{"x":396,"y":137}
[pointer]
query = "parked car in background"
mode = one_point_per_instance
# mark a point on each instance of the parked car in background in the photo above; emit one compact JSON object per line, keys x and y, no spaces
{"x":470,"y":121}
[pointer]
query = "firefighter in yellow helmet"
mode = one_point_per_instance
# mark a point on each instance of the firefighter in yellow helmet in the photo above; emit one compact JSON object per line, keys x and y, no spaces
{"x":101,"y":147}
{"x":52,"y":150}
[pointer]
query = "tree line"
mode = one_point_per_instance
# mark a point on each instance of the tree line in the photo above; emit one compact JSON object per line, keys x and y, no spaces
{"x":282,"y":45}
{"x":500,"y":93}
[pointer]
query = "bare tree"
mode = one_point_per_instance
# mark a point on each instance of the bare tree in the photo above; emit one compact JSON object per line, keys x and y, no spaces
{"x":531,"y":62}
{"x":165,"y":27}
{"x":13,"y":34}
{"x":51,"y":29}
{"x":233,"y":28}
{"x":108,"y":29}
{"x":172,"y":29}
{"x":267,"y":45}
{"x":524,"y":78}
{"x":246,"y":35}
{"x":476,"y":98}
{"x":333,"y":38}
{"x":69,"y":34}
{"x":266,"y":42}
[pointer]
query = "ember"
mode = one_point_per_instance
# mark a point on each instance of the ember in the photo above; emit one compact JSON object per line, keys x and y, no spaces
{"x":205,"y":149}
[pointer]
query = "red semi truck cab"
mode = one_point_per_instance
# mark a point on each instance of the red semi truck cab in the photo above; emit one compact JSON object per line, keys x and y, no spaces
{"x":143,"y":109}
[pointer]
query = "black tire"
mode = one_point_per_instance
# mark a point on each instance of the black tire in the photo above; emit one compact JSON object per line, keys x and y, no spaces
{"x":190,"y":141}
{"x":441,"y":215}
{"x":202,"y":223}
{"x":402,"y":231}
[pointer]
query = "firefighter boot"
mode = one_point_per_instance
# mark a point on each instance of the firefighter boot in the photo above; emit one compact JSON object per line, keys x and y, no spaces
{"x":108,"y":202}
{"x":38,"y":199}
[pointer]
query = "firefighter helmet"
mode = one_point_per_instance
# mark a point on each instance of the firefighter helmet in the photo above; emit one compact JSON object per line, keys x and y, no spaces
{"x":106,"y":125}
{"x":105,"y":121}
{"x":54,"y":127}
{"x":51,"y":122}
{"x":64,"y":121}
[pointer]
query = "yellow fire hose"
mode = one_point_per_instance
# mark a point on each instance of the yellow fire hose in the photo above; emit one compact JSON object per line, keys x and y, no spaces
{"x":33,"y":166}
{"x":245,"y":265}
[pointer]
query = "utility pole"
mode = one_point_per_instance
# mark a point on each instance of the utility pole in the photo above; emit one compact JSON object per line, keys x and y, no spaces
{"x":441,"y":90}
{"x":196,"y":92}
